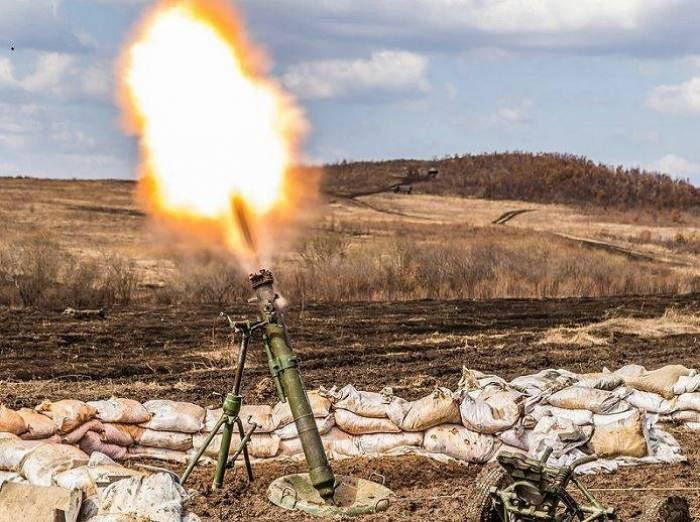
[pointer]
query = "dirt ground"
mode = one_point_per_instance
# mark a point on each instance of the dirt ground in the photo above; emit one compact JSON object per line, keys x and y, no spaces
{"x":186,"y":352}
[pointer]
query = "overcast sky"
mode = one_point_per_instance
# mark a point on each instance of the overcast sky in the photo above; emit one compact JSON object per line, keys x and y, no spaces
{"x":615,"y":80}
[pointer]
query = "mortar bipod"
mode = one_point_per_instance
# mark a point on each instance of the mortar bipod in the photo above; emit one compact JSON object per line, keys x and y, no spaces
{"x":230,"y":416}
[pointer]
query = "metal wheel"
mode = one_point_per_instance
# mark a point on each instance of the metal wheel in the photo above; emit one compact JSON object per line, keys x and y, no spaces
{"x":671,"y":509}
{"x":478,"y":502}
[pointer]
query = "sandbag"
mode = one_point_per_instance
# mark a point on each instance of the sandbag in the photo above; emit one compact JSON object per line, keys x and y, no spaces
{"x":688,"y":401}
{"x":13,"y":451}
{"x":440,"y":407}
{"x":263,"y":445}
{"x":362,"y":403}
{"x":11,"y":421}
{"x":119,"y":410}
{"x":558,"y":433}
{"x":92,"y":442}
{"x":651,"y":402}
{"x":355,"y":424}
{"x":67,"y":414}
{"x":661,"y":381}
{"x":182,"y":417}
{"x":144,"y":452}
{"x":47,"y":460}
{"x":165,"y":440}
{"x":544,"y":381}
{"x":324,"y":425}
{"x":460,"y":443}
{"x":623,"y":437}
{"x":8,"y":436}
{"x":601,"y":381}
{"x":250,"y":414}
{"x":343,"y":445}
{"x":292,"y":447}
{"x":121,"y":434}
{"x":88,"y":478}
{"x":10,"y":476}
{"x":682,"y":417}
{"x":490,"y":411}
{"x":578,"y":417}
{"x":158,"y":498}
{"x":686,"y":384}
{"x":282,"y":414}
{"x":591,"y":399}
{"x":78,"y":433}
{"x":38,"y":426}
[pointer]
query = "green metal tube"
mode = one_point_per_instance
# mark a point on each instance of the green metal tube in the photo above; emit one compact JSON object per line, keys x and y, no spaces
{"x":286,"y":365}
{"x":201,"y":450}
{"x":223,"y":456}
{"x":232,"y":407}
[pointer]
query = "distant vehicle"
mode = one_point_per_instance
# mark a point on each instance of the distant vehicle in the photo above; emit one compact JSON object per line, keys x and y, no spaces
{"x":404,"y":188}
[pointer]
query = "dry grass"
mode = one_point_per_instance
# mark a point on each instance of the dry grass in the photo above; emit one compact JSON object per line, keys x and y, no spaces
{"x":85,"y":244}
{"x":673,"y":322}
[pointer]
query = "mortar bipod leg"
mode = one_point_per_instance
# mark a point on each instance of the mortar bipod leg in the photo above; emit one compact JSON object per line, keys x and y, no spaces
{"x":200,"y":451}
{"x":244,"y":443}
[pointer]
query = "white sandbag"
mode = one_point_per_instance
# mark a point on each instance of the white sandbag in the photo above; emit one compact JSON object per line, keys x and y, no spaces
{"x":578,"y":417}
{"x":165,"y":439}
{"x":92,"y":442}
{"x":157,"y":498}
{"x":292,"y":447}
{"x":68,"y":414}
{"x":10,"y":476}
{"x":38,"y":426}
{"x":41,"y":465}
{"x":13,"y":451}
{"x":355,"y":424}
{"x":460,"y":443}
{"x":651,"y":402}
{"x":686,"y":384}
{"x":324,"y":425}
{"x":343,"y":445}
{"x":490,"y":411}
{"x":622,"y":437}
{"x":182,"y":417}
{"x":661,"y":381}
{"x":545,"y":380}
{"x":144,"y":452}
{"x":263,"y":445}
{"x":688,"y":401}
{"x":558,"y":433}
{"x":682,"y":417}
{"x":78,"y":433}
{"x":516,"y":437}
{"x":8,"y":436}
{"x":11,"y":421}
{"x":119,"y":410}
{"x":362,"y":403}
{"x":88,"y":478}
{"x":440,"y":407}
{"x":601,"y":381}
{"x":282,"y":414}
{"x":630,"y":371}
{"x":250,"y":414}
{"x":594,"y":400}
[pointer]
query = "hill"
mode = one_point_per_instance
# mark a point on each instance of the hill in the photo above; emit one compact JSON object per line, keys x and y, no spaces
{"x":540,"y":178}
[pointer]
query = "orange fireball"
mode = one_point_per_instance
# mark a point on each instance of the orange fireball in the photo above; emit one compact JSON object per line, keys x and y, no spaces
{"x":218,"y":139}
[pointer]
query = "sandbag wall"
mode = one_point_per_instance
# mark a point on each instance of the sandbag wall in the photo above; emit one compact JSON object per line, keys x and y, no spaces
{"x":615,"y":415}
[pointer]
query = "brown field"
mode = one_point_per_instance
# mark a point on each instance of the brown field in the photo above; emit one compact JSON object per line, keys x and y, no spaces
{"x":381,"y":296}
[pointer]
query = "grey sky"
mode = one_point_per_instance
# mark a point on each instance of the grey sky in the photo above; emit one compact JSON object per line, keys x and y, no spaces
{"x":616,"y":80}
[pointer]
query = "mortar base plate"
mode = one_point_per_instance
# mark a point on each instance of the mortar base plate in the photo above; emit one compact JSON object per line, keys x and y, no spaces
{"x":352,"y":497}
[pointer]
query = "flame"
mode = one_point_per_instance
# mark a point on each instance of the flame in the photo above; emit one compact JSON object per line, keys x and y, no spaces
{"x":218,"y":139}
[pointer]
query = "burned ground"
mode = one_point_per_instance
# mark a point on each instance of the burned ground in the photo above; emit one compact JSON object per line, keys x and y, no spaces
{"x":185,"y":353}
